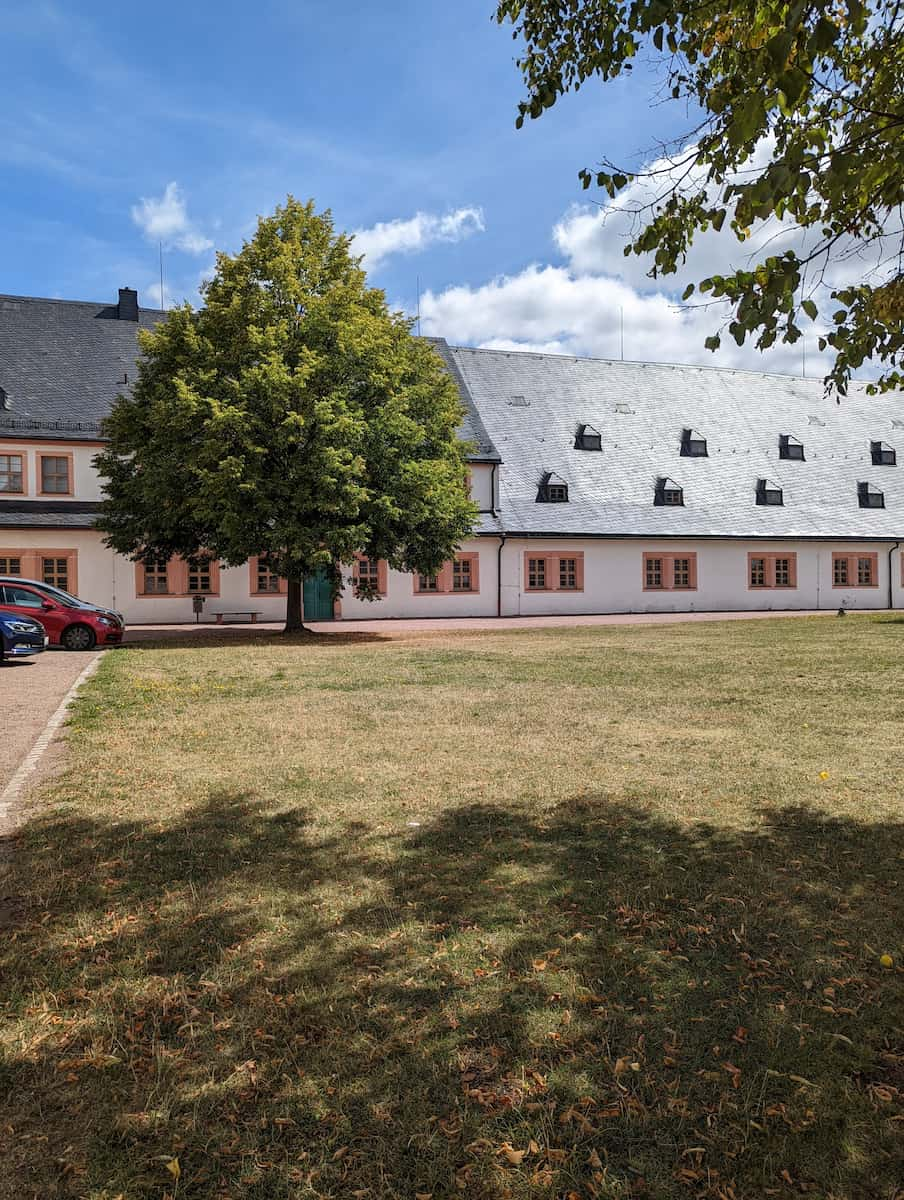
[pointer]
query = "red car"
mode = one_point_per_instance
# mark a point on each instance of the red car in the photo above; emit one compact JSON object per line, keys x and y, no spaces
{"x":69,"y":622}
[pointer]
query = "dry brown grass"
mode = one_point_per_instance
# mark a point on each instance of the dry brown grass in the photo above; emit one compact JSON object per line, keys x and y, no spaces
{"x":372,"y":917}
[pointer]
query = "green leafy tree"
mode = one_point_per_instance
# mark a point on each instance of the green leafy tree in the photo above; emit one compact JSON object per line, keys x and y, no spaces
{"x":294,"y":417}
{"x":802,"y":119}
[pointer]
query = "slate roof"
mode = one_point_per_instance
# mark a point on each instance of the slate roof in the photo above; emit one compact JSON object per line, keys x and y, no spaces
{"x":473,"y":429}
{"x":641,"y":410}
{"x":48,"y":514}
{"x":62,"y":364}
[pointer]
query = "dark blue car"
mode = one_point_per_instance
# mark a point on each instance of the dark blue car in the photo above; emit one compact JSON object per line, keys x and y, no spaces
{"x":20,"y":636}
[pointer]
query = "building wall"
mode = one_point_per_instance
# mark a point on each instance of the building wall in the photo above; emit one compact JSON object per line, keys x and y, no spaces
{"x":614,"y":577}
{"x":612,"y":571}
{"x":613,"y":580}
{"x":403,"y":600}
{"x":84,"y":480}
{"x":233,"y":594}
{"x":482,"y":479}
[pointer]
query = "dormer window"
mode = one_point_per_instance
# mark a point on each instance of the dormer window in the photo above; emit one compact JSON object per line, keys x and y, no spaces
{"x":588,"y":438}
{"x":790,"y":448}
{"x":668,"y":494}
{"x":883,"y":455}
{"x":552,"y":490}
{"x":4,"y":400}
{"x":869,"y":496}
{"x":692,"y":444}
{"x":768,"y":492}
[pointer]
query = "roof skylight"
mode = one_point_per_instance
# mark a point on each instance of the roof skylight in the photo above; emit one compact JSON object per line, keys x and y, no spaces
{"x":587,"y":438}
{"x":667,"y":493}
{"x":883,"y":455}
{"x":869,"y":496}
{"x":768,"y":492}
{"x":552,"y":490}
{"x":789,"y":447}
{"x":693,"y":445}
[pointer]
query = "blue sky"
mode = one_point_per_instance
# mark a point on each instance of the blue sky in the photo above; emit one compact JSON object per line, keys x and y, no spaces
{"x":125,"y":124}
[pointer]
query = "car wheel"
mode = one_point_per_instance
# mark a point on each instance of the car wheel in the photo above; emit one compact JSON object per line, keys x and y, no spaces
{"x":78,"y":637}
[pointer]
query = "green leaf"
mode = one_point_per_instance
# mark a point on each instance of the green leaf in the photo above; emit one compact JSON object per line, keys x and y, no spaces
{"x":243,"y":437}
{"x":817,"y":77}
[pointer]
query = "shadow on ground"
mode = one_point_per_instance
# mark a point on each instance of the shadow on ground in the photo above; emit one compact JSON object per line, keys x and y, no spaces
{"x":601,"y":1003}
{"x":209,"y":638}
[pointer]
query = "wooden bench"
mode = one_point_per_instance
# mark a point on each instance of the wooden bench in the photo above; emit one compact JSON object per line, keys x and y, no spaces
{"x":252,"y":616}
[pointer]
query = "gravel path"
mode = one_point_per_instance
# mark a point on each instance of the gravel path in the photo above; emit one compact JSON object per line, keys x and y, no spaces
{"x":30,"y":692}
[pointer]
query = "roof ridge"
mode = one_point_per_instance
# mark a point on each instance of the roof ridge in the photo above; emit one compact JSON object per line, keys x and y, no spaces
{"x":640,"y":362}
{"x":82,"y":303}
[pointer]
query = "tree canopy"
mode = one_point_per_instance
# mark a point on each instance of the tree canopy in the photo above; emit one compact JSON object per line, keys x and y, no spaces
{"x":801,"y":108}
{"x":293,"y":416}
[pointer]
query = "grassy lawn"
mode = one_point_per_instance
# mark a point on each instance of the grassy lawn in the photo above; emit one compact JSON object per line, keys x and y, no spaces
{"x":583,"y":913}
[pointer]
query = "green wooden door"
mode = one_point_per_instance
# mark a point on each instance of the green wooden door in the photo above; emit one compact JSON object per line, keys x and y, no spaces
{"x":318,"y":597}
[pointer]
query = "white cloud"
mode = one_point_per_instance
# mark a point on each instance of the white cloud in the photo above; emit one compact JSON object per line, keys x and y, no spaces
{"x":151,"y":296}
{"x":578,"y":305}
{"x":557,"y":310}
{"x":165,"y":219}
{"x":409,"y":236}
{"x":592,"y":238}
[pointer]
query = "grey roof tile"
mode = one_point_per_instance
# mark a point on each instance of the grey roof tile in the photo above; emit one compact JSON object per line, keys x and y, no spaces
{"x":473,"y":429}
{"x":48,"y":514}
{"x":641,"y":410}
{"x":62,"y":364}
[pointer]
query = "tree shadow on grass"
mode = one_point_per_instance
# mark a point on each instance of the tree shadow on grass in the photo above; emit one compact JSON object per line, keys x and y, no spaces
{"x":217,"y":637}
{"x":598,"y":1001}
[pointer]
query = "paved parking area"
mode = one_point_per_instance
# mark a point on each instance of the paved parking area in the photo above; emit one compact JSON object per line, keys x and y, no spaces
{"x":30,"y":693}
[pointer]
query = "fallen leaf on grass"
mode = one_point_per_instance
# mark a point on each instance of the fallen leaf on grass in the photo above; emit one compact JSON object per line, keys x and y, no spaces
{"x":515,"y":1157}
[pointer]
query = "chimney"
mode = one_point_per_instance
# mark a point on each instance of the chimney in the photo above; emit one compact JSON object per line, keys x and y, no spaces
{"x":127,"y":309}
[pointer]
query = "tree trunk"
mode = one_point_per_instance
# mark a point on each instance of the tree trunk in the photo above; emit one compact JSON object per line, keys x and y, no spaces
{"x":294,"y":623}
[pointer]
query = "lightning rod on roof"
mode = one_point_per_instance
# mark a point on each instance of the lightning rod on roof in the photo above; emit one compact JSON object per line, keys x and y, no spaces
{"x":621,"y":330}
{"x":162,"y":301}
{"x":418,"y":286}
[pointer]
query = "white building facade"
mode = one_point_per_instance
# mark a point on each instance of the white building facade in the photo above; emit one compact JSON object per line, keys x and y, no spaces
{"x":602,"y":487}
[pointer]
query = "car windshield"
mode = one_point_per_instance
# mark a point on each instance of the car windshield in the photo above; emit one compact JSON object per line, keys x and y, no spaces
{"x":63,"y":597}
